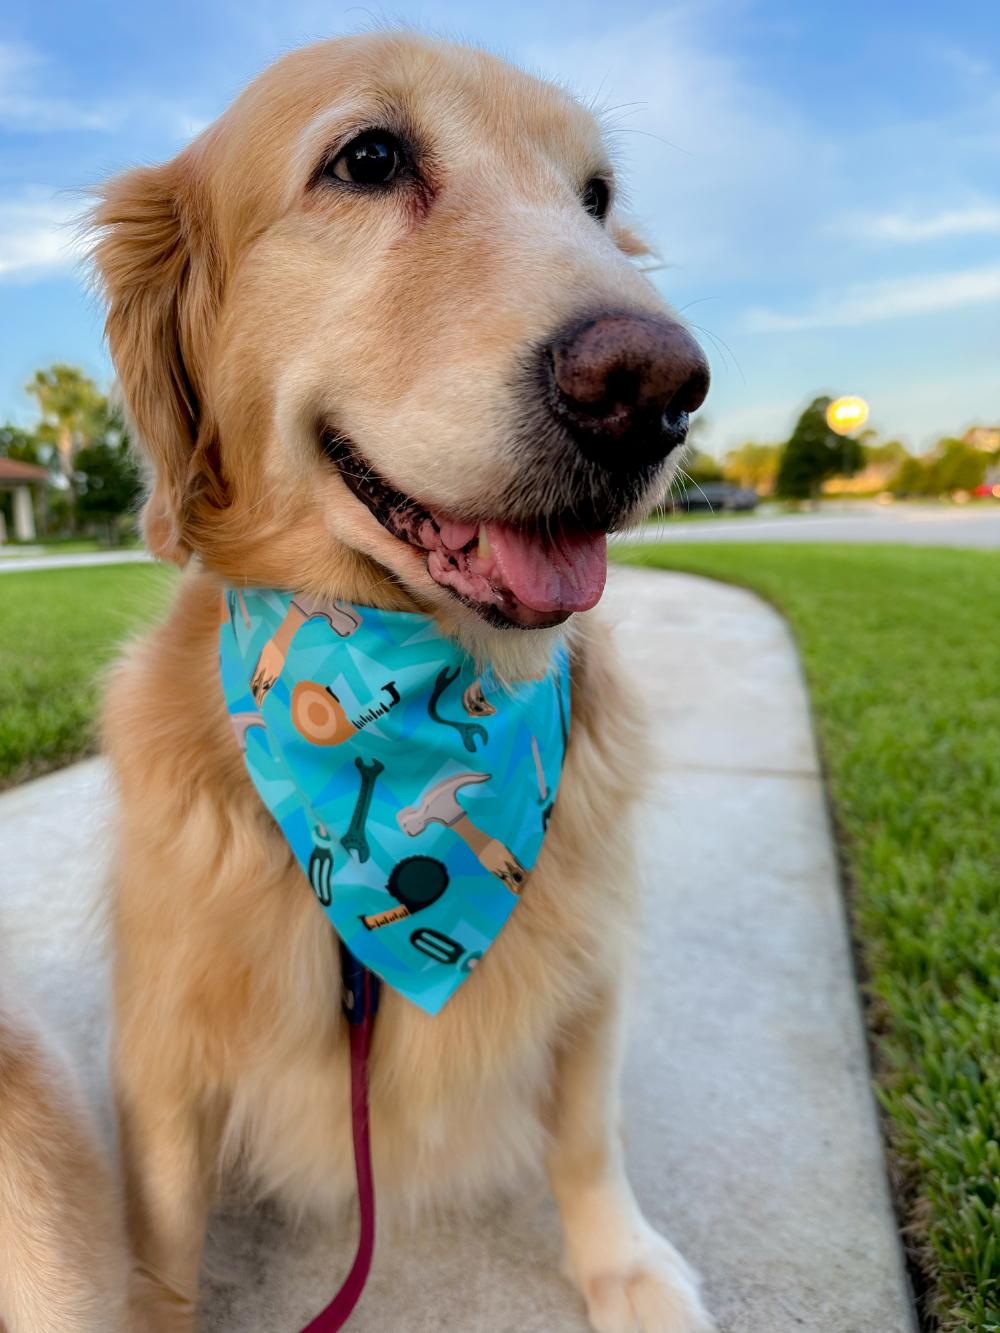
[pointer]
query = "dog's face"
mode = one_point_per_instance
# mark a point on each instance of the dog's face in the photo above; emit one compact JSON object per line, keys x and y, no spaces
{"x":381,"y":318}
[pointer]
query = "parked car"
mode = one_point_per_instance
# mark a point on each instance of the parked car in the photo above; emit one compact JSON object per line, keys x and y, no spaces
{"x":714,"y":495}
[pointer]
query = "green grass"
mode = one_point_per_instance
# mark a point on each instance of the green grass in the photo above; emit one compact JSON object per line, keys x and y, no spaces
{"x":901,"y":648}
{"x":65,"y":546}
{"x":58,"y":629}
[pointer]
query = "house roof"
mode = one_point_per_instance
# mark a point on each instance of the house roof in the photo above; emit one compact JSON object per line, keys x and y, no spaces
{"x":13,"y":470}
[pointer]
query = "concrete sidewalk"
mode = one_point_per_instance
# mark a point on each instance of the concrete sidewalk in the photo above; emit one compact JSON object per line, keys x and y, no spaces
{"x":752,"y":1136}
{"x":25,"y":564}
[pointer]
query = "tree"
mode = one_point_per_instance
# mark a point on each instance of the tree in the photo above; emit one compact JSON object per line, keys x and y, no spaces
{"x":109,"y":483}
{"x":698,"y":469}
{"x":813,"y":453}
{"x":910,"y":479}
{"x":957,"y":467}
{"x":19,"y":444}
{"x":951,"y":466}
{"x":74,"y":413}
{"x":753,"y":465}
{"x":888,"y":453}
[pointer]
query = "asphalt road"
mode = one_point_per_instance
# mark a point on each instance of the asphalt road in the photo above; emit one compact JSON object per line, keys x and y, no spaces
{"x":900,"y":524}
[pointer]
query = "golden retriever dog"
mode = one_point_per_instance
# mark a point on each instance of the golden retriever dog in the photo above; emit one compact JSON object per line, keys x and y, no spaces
{"x":381,"y":339}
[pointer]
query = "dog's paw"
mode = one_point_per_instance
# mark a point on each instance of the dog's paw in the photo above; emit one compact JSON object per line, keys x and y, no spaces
{"x":654,"y":1291}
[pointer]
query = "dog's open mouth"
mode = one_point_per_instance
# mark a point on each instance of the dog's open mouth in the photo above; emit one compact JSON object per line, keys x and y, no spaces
{"x":528,"y":575}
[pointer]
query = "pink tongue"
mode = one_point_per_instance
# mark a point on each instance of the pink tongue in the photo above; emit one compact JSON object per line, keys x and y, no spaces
{"x":562,"y":572}
{"x":454,"y":533}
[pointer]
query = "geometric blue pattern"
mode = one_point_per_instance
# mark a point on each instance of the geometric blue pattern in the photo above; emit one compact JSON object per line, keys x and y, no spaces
{"x":413,"y":791}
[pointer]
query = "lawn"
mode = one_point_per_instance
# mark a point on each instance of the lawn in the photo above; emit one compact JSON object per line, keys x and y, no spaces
{"x":901,"y":648}
{"x":58,"y":629}
{"x":64,"y":546}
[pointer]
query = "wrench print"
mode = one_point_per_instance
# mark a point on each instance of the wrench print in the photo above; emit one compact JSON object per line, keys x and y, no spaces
{"x":355,"y":839}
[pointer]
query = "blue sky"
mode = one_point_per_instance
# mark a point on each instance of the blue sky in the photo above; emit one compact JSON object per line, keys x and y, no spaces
{"x":822,"y":179}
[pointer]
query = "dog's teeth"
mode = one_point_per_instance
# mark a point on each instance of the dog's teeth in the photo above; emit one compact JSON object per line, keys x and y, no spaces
{"x":483,"y":549}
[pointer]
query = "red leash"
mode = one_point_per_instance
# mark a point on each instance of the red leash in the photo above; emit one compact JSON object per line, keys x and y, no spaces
{"x":360,"y":1003}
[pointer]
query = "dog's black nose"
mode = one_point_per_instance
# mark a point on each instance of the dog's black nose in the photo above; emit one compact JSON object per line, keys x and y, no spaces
{"x":623,"y":386}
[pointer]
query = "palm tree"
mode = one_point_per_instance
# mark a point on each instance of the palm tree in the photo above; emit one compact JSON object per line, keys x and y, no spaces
{"x":74,"y":413}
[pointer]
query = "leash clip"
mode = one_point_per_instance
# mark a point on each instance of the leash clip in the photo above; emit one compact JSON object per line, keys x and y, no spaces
{"x":359,"y":988}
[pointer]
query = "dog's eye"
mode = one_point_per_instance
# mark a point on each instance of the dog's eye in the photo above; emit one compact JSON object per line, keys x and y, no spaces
{"x":373,"y":158}
{"x":596,"y":198}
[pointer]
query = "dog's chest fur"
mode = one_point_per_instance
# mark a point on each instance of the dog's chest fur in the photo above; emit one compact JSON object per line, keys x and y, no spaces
{"x":247,"y":1011}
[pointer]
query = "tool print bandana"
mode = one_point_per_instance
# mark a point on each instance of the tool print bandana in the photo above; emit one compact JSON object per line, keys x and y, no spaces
{"x":414,"y":794}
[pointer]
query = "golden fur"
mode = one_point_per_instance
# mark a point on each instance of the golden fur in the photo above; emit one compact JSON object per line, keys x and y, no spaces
{"x":244,"y":309}
{"x":63,"y":1256}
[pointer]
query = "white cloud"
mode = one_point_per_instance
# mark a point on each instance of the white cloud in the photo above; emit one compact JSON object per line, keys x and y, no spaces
{"x":713,"y":159}
{"x":744,"y":179}
{"x":887,"y":298}
{"x":967,"y":65}
{"x":30,"y":104}
{"x":188,"y":126}
{"x":978,"y":220}
{"x":24,"y":108}
{"x":37,"y":233}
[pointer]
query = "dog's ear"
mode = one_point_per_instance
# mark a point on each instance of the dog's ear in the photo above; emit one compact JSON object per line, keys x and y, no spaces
{"x":160,"y":274}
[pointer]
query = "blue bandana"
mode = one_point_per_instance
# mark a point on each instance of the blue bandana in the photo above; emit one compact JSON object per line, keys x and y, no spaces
{"x":414,"y":794}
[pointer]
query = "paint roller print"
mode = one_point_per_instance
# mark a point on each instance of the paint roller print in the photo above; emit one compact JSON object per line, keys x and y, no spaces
{"x":439,"y":805}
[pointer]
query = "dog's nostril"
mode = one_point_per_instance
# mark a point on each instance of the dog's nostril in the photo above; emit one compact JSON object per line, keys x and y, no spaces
{"x":622,"y":384}
{"x":623,"y":387}
{"x":692,"y":393}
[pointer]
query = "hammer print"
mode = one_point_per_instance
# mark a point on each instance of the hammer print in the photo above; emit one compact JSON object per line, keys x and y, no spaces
{"x":475,"y":702}
{"x":342,"y":618}
{"x":470,"y":732}
{"x":439,"y":805}
{"x":242,"y":723}
{"x":355,"y":839}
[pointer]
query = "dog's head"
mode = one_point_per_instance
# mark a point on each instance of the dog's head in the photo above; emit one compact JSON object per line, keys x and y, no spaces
{"x":380,"y":335}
